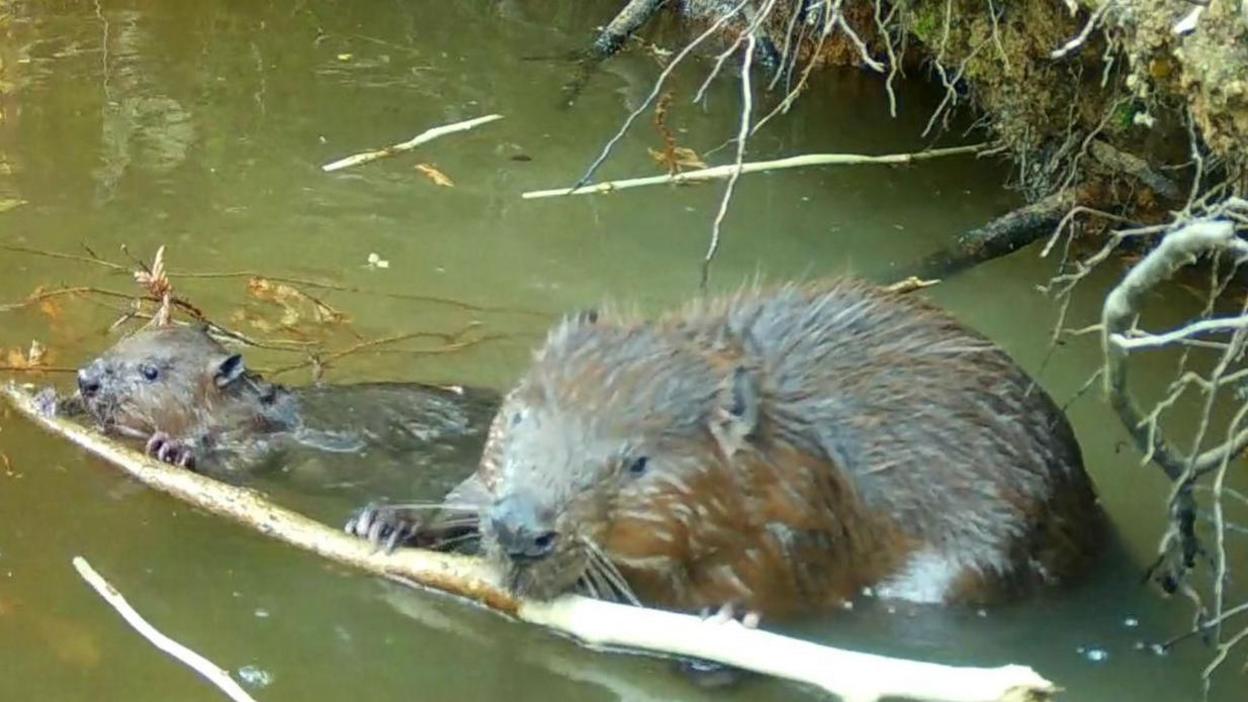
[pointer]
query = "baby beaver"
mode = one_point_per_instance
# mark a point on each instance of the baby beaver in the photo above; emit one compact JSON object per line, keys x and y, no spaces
{"x":195,"y":404}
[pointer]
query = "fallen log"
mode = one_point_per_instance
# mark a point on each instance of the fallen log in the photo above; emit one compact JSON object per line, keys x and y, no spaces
{"x":852,"y":676}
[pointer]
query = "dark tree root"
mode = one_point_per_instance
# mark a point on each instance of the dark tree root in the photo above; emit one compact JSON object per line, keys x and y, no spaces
{"x":635,"y":14}
{"x":1000,"y":237}
{"x":609,"y":41}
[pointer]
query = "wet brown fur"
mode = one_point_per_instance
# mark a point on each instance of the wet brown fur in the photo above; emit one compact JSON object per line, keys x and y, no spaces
{"x":804,"y":443}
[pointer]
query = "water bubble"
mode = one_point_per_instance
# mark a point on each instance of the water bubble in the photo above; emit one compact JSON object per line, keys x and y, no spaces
{"x":255,"y":676}
{"x":262,"y":613}
{"x":1130,"y":622}
{"x":1093,"y":654}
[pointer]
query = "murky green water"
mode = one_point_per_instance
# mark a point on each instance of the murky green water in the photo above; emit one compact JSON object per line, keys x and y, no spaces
{"x":202,"y":125}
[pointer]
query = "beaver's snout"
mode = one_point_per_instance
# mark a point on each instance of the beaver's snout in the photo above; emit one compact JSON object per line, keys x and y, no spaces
{"x":524,"y":531}
{"x":90,"y":379}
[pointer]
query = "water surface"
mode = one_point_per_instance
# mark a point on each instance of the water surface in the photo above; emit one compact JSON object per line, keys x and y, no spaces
{"x":202,"y":126}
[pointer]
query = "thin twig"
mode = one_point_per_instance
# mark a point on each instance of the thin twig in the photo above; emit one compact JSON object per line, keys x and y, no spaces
{"x":747,"y":106}
{"x":424,"y":137}
{"x":65,"y":257}
{"x":654,"y":92}
{"x":727,"y":171}
{"x":206,"y":668}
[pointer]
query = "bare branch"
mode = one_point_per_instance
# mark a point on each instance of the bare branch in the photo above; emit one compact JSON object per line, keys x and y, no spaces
{"x":1122,"y":306}
{"x":747,"y":107}
{"x":727,"y":171}
{"x":654,"y":92}
{"x":1093,"y":21}
{"x":206,"y":668}
{"x":424,"y":137}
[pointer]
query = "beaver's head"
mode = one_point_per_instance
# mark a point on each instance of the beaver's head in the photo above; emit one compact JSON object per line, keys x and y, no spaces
{"x":614,"y":448}
{"x":167,"y":378}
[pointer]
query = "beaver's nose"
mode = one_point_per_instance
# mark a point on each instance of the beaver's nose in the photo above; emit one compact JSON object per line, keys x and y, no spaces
{"x":89,"y":379}
{"x":523,"y":531}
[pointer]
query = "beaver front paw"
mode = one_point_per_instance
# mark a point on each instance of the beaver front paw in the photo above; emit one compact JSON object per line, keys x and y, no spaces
{"x":167,"y":449}
{"x":383,"y":526}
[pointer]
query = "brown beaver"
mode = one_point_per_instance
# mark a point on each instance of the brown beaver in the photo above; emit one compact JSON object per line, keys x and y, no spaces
{"x":777,"y":450}
{"x":196,"y":404}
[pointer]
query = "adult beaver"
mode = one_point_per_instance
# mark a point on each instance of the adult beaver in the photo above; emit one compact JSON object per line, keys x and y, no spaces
{"x":196,"y":404}
{"x":776,"y":450}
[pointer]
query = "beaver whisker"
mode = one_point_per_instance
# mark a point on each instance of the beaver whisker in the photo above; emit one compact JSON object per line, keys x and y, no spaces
{"x":598,"y":561}
{"x":428,"y":505}
{"x":465,"y":522}
{"x":610,"y":592}
{"x":586,"y":581}
{"x":456,"y":540}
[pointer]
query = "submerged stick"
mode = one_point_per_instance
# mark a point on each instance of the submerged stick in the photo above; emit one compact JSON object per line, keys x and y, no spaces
{"x":727,"y":171}
{"x":853,"y":676}
{"x":214,"y":673}
{"x":423,"y":137}
{"x":1000,"y":237}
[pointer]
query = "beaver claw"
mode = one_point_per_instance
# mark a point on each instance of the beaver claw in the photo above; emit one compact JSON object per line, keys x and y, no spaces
{"x":382,"y":526}
{"x":167,"y":449}
{"x":709,"y":674}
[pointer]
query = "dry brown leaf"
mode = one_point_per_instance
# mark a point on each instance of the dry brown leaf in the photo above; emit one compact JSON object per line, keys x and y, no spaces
{"x":51,"y":308}
{"x":438,"y":177}
{"x":157,"y":284}
{"x":31,"y":359}
{"x":296,"y":305}
{"x":35,"y":356}
{"x":154,"y":280}
{"x":678,"y":159}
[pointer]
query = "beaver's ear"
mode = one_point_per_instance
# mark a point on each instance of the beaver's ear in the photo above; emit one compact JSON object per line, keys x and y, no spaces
{"x":736,"y":413}
{"x":229,"y":370}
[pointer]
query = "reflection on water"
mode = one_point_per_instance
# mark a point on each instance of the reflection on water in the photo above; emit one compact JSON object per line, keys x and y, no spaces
{"x":202,"y":126}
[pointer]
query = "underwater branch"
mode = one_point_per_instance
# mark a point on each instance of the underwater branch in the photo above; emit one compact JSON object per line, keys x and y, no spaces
{"x":852,"y":676}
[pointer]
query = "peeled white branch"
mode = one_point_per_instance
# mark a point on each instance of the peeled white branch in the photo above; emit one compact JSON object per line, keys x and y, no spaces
{"x":727,"y":171}
{"x":423,"y":137}
{"x":852,"y":676}
{"x":1135,"y":341}
{"x":211,"y":671}
{"x":1122,"y":306}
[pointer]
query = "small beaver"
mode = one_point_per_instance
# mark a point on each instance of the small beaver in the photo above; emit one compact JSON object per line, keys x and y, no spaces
{"x":775,"y":450}
{"x":197,"y":405}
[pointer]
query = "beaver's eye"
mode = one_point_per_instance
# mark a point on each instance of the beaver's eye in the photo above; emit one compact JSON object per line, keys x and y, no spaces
{"x":638,"y":466}
{"x":149,"y":371}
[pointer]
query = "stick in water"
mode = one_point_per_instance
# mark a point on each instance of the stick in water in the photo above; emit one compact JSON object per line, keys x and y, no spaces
{"x":423,"y":137}
{"x":211,"y":671}
{"x":720,"y":172}
{"x":852,"y":676}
